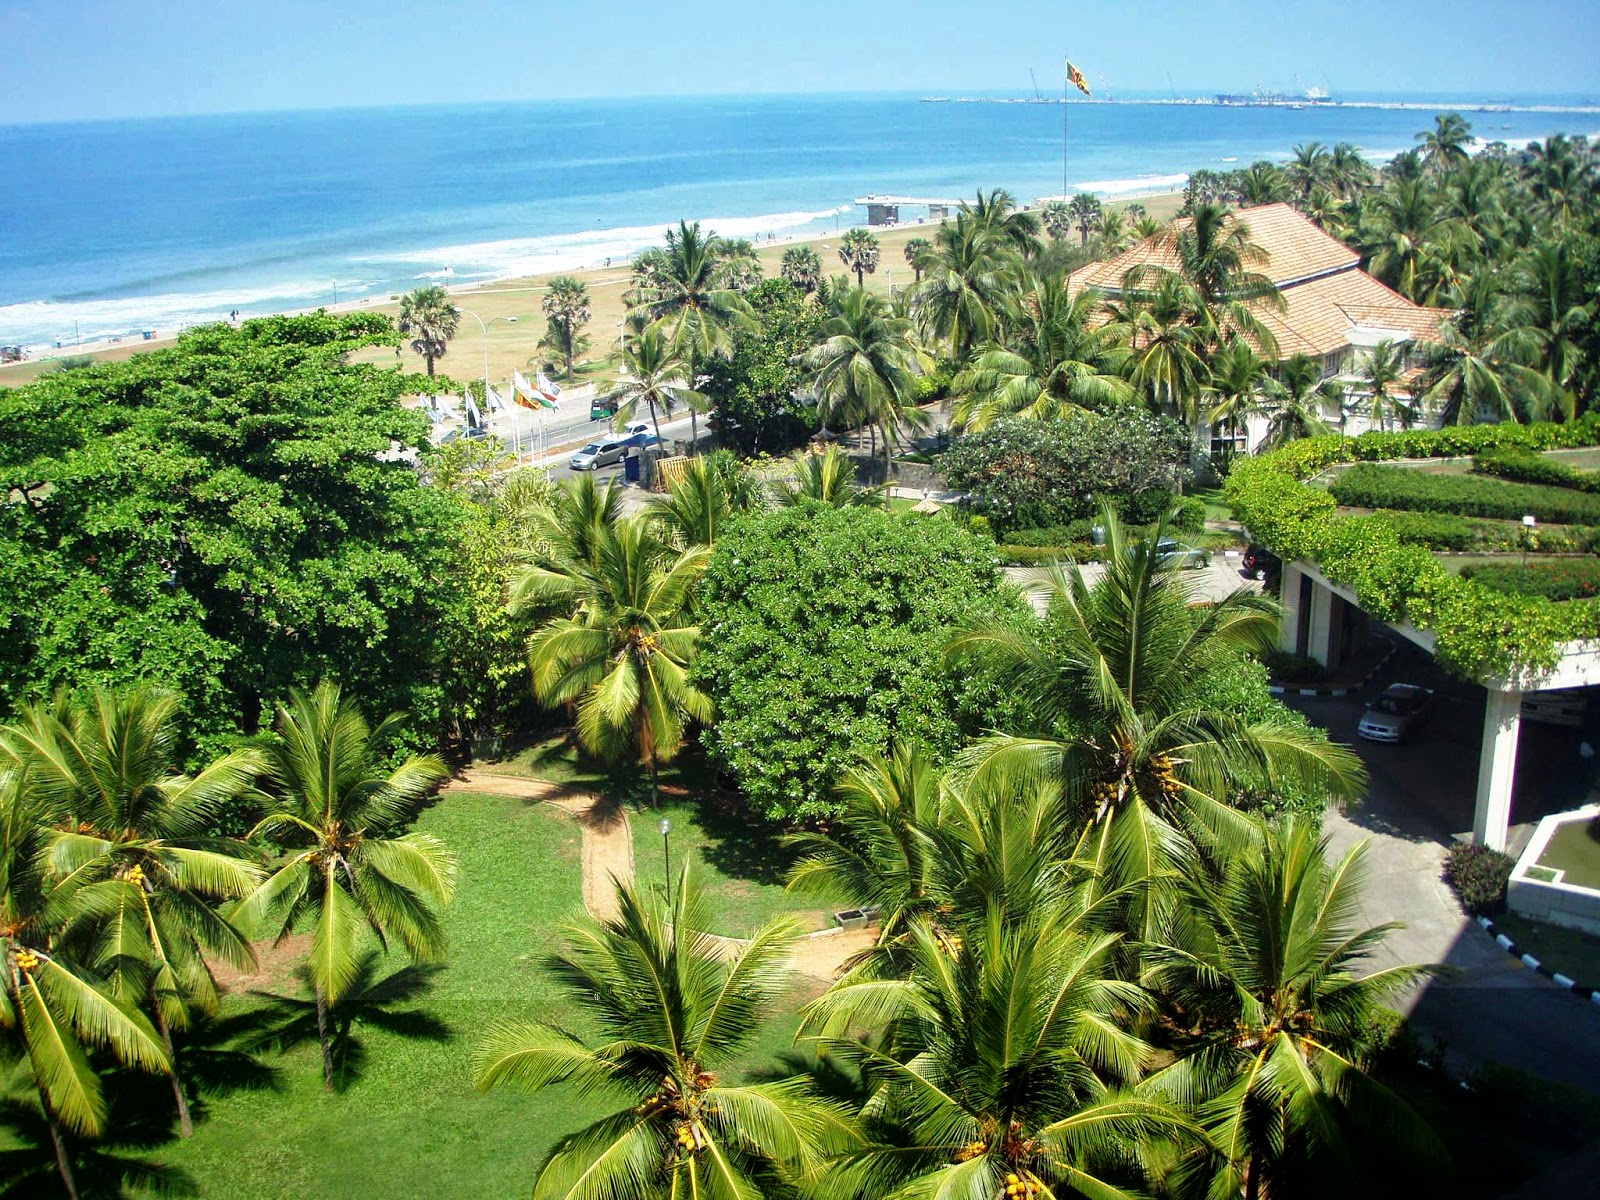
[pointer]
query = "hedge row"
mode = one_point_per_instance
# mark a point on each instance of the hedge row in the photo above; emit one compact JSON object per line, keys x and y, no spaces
{"x":1368,"y":486}
{"x":1562,"y":579}
{"x":1525,"y":466}
{"x":1442,"y":531}
{"x":1480,"y":632}
{"x":1033,"y":556}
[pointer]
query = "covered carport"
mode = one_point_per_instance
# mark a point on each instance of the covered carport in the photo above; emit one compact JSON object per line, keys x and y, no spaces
{"x":1320,"y":621}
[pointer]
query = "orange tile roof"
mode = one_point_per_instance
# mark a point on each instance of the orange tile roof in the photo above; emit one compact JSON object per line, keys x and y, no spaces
{"x":1318,"y":277}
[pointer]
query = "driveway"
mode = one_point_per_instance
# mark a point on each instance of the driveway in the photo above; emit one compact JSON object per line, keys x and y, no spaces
{"x":1492,"y":1008}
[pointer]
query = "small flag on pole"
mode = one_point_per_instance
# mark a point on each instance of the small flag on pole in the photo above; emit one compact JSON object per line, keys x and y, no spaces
{"x":1076,"y":79}
{"x":496,"y":401}
{"x":550,"y":391}
{"x":525,"y":394}
{"x":474,"y":417}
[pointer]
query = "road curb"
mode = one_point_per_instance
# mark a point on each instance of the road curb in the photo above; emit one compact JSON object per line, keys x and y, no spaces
{"x":1278,"y":689}
{"x":1592,"y":994}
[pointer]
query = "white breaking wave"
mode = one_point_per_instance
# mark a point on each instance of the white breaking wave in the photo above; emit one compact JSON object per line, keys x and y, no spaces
{"x":1140,"y":183}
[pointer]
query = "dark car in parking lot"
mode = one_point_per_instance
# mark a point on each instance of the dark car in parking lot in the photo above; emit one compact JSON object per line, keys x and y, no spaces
{"x":1397,"y":714}
{"x":1261,"y":563}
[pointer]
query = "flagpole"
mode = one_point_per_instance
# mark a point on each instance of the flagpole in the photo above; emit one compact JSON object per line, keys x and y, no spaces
{"x":1066,"y":120}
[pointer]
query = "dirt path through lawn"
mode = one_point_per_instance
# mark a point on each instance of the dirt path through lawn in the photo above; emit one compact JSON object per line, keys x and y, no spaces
{"x":608,"y":859}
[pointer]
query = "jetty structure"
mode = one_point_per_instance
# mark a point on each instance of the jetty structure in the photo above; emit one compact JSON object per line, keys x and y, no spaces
{"x":885,"y":210}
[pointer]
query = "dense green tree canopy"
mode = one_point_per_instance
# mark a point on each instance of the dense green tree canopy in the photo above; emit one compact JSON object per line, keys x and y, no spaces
{"x":225,"y":518}
{"x":757,"y":388}
{"x":820,"y":637}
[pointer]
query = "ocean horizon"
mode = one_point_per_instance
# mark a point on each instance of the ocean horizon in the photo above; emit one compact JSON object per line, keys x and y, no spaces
{"x":119,"y":227}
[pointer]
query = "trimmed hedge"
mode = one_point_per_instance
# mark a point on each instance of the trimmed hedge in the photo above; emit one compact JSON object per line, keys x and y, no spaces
{"x":1369,"y":486}
{"x":1524,"y":466}
{"x":1034,"y":556}
{"x":1480,"y":632}
{"x":1563,"y":579}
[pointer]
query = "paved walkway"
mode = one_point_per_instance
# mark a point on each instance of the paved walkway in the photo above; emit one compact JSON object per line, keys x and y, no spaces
{"x":608,"y":860}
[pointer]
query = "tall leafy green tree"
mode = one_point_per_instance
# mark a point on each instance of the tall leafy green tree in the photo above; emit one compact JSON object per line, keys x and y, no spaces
{"x":1057,"y":219}
{"x":430,"y":320}
{"x":703,"y":497}
{"x":1238,"y":379}
{"x":671,"y":1010}
{"x":348,"y":869}
{"x":964,"y":276}
{"x":132,"y":835}
{"x":1381,"y":373}
{"x":1266,"y":967}
{"x":567,"y":308}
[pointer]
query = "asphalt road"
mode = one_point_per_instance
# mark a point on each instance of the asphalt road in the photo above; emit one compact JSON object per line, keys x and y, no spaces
{"x":1490,"y":1007}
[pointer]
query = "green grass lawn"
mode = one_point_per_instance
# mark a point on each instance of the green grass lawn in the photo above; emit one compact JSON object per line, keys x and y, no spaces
{"x":1217,"y":509}
{"x":740,"y":863}
{"x":1576,"y":955}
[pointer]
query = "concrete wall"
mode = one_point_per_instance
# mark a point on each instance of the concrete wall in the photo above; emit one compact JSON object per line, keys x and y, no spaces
{"x":1556,"y":903}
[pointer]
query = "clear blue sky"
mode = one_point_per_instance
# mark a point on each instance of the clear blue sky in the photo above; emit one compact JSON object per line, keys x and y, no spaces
{"x":67,"y":59}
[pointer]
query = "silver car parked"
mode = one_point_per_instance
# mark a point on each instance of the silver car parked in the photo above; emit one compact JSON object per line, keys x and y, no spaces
{"x":599,"y":454}
{"x":1176,"y":554}
{"x":1396,"y":715}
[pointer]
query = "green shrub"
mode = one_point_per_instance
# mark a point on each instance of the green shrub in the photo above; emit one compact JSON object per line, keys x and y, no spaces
{"x":1053,"y":535}
{"x":1525,"y":466}
{"x":1560,"y":579}
{"x":1478,"y":876}
{"x":1033,"y":556}
{"x":1464,"y":495}
{"x":979,"y":524}
{"x":1436,"y":531}
{"x":1189,"y":515}
{"x":1285,"y":667}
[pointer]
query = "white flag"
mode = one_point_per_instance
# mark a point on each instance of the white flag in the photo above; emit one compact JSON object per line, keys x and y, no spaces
{"x":474,"y":417}
{"x":496,"y":401}
{"x":550,"y":391}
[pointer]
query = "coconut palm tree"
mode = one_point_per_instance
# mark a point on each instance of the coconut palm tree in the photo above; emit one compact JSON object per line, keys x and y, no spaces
{"x":1297,"y":400}
{"x":623,"y":651}
{"x":1114,"y":236}
{"x":801,"y":267}
{"x":1554,"y":302}
{"x":998,"y":1069}
{"x":1408,"y":235}
{"x":738,"y":266}
{"x":53,"y":1009}
{"x":997,"y":216}
{"x":1238,"y":379}
{"x":1141,"y":768}
{"x":347,"y":866}
{"x":687,"y":293}
{"x":1310,"y":166}
{"x":1057,"y":219}
{"x":655,"y":376}
{"x":703,"y":497}
{"x":1348,"y":173}
{"x":1481,"y":368}
{"x":1265,"y":966}
{"x":916,"y":250}
{"x":1444,"y":147}
{"x":1166,"y":361}
{"x":864,"y":367}
{"x":1262,"y":183}
{"x":131,"y":833}
{"x":880,"y":851}
{"x":429,"y":319}
{"x":1055,"y":358}
{"x":858,"y":251}
{"x":566,"y":306}
{"x":1086,"y":211}
{"x":1380,"y":373}
{"x":827,"y":478}
{"x":964,"y":276}
{"x":671,"y":1010}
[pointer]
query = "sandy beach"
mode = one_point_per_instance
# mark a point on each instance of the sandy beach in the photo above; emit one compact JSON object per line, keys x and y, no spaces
{"x":512,"y":344}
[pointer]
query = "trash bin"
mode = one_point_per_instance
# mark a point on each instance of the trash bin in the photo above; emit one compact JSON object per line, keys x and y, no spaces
{"x":630,"y":468}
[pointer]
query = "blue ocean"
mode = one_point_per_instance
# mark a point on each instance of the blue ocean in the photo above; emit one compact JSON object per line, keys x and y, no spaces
{"x":114,"y":228}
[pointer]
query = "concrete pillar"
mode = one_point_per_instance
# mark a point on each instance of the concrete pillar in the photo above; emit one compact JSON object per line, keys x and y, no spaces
{"x":1497,"y":768}
{"x":1289,"y":624}
{"x":1319,"y":634}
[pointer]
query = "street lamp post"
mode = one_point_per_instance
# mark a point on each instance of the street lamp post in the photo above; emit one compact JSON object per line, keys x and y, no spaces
{"x":1528,"y":524}
{"x":666,"y":850}
{"x":516,"y":432}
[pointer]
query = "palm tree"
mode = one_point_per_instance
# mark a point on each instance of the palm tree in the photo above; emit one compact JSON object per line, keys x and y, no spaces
{"x":1135,"y":212}
{"x":1444,"y":147}
{"x":1057,"y":219}
{"x":1087,"y":212}
{"x":703,"y":497}
{"x":687,"y":294}
{"x":1055,"y":359}
{"x":1481,"y":368}
{"x":132,"y":834}
{"x":348,"y":867}
{"x":827,"y":478}
{"x":1114,"y":236}
{"x":916,"y":251}
{"x":1348,"y":173}
{"x":864,"y":367}
{"x":1296,"y":402}
{"x":1557,"y":307}
{"x":858,"y":251}
{"x":996,"y":1069}
{"x":963,"y":279}
{"x":1262,"y":183}
{"x":879,"y":852}
{"x":1144,"y":765}
{"x":1309,"y":167}
{"x":801,"y":267}
{"x":1166,"y":358}
{"x":654,"y":376}
{"x":738,"y":266}
{"x":1381,"y":371}
{"x":1407,"y":234}
{"x":623,"y":651}
{"x":430,"y":320}
{"x":566,"y":305}
{"x":1238,"y":378}
{"x":1264,"y":968}
{"x":997,"y":216}
{"x":53,"y":1010}
{"x":672,"y":1010}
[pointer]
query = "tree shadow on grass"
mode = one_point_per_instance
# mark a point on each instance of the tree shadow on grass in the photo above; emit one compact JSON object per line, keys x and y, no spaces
{"x":108,"y":1170}
{"x":742,"y":844}
{"x":385,"y":1004}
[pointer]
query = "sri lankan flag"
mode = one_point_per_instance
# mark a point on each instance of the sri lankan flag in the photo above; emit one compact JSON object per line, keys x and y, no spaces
{"x":1076,"y":79}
